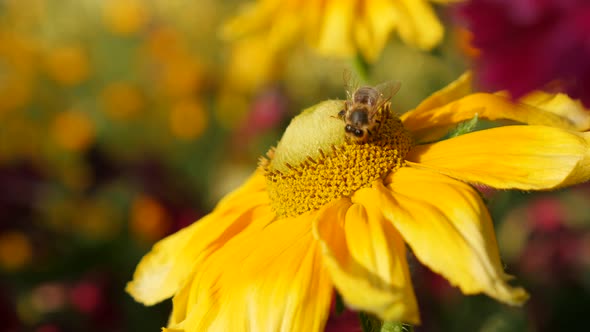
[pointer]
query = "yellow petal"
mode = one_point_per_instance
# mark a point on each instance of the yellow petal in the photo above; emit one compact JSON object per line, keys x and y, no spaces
{"x":418,"y":24}
{"x":449,"y":229}
{"x":366,"y":259}
{"x":453,"y":104}
{"x":459,"y":88}
{"x":417,"y":123}
{"x":256,"y":183}
{"x":163,"y":270}
{"x":562,"y":105}
{"x":519,"y":157}
{"x":271,"y":279}
{"x":422,"y":123}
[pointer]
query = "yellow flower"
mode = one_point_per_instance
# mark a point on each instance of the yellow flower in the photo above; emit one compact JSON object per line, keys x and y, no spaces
{"x":339,"y":28}
{"x":324,"y":214}
{"x":242,"y":75}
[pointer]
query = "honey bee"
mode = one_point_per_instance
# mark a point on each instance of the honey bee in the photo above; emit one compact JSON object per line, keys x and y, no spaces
{"x":364,"y":107}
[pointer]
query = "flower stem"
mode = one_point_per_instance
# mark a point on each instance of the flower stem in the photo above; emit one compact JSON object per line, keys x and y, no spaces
{"x":361,"y":68}
{"x":370,"y":323}
{"x":396,"y":327}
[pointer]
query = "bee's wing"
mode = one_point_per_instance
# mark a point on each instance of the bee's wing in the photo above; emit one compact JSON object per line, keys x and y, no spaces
{"x":350,"y":83}
{"x":388,"y":89}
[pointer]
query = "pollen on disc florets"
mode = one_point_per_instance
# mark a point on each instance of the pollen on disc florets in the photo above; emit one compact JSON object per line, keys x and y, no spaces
{"x":314,"y":164}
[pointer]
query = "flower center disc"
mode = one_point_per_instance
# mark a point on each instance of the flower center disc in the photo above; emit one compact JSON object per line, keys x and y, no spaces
{"x":314,"y":164}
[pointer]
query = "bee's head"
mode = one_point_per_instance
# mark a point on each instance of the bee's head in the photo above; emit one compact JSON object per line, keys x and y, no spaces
{"x":356,"y":132}
{"x":359,"y":117}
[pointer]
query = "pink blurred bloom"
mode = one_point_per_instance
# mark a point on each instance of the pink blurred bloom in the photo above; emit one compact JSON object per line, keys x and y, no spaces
{"x":527,"y":44}
{"x":86,"y":297}
{"x":346,"y":321}
{"x":546,"y":214}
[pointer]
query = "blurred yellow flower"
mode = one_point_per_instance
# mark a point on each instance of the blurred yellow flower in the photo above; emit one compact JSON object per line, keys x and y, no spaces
{"x":73,"y":130}
{"x":339,"y":28}
{"x":251,"y":65}
{"x":188,"y":119}
{"x":122,"y":100}
{"x":16,"y":250}
{"x":68,"y":65}
{"x":125,"y":17}
{"x":325,"y":214}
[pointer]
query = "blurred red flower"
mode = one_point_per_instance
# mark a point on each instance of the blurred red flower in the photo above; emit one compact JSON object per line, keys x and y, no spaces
{"x":527,"y":44}
{"x":346,"y":321}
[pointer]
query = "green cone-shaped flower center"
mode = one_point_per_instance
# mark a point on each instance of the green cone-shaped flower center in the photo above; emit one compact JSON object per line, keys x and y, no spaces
{"x":314,"y":163}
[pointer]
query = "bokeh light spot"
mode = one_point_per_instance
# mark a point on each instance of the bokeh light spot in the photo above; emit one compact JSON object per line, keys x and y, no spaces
{"x":73,"y":130}
{"x":125,"y":17}
{"x":122,"y":100}
{"x":68,"y":65}
{"x":16,"y":250}
{"x":149,"y":220}
{"x":188,"y":119}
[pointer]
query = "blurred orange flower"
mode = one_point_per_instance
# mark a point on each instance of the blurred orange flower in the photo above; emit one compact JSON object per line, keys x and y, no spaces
{"x":149,"y":220}
{"x":125,"y":17}
{"x":73,"y":130}
{"x":122,"y":100}
{"x":68,"y":65}
{"x":15,"y":250}
{"x":17,"y":70}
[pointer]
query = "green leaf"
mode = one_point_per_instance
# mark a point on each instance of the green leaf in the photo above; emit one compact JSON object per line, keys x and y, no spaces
{"x":464,"y":127}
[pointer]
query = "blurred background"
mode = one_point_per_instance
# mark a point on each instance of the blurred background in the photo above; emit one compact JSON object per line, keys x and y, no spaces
{"x":122,"y":121}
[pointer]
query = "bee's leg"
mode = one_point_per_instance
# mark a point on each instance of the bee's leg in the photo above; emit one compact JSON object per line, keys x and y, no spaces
{"x":340,"y":115}
{"x":378,"y":125}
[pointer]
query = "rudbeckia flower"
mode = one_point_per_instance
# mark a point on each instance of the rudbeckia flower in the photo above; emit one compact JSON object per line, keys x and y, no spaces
{"x":339,"y":28}
{"x":323,"y":214}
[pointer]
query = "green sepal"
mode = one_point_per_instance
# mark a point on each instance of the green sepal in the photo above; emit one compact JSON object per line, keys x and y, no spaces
{"x":464,"y":127}
{"x":370,"y":323}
